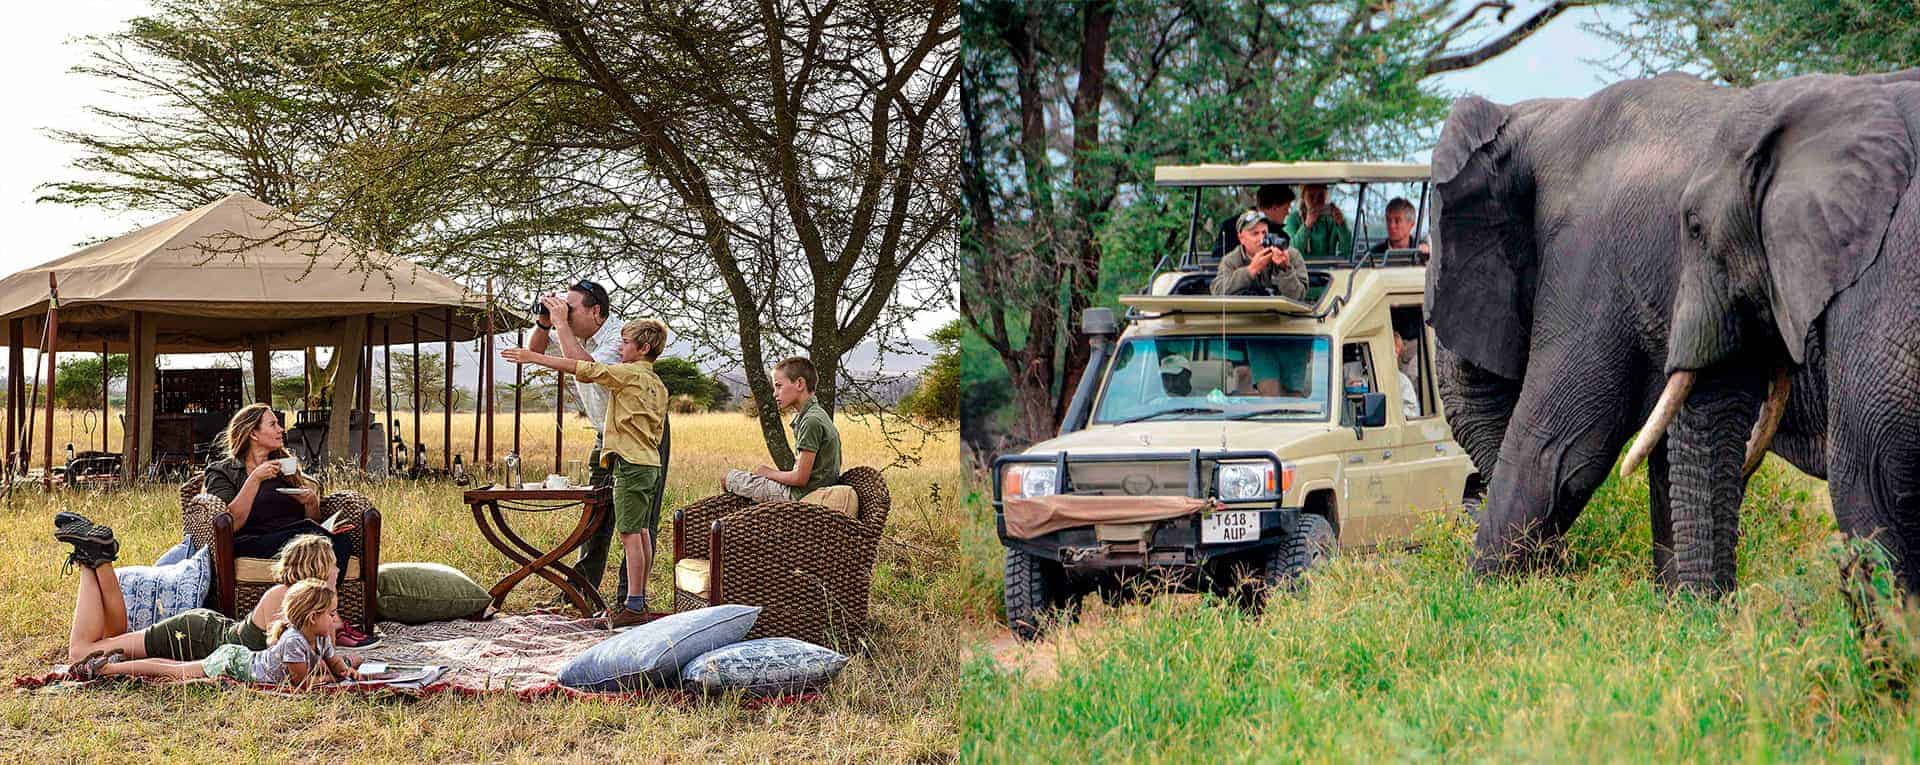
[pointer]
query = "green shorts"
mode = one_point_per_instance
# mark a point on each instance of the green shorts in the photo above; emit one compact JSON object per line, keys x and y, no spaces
{"x":190,"y":635}
{"x":634,"y":490}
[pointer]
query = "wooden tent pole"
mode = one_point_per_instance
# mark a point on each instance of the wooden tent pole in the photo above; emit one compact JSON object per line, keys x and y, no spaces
{"x":15,"y":357}
{"x":106,"y":407}
{"x":487,"y":364}
{"x":416,"y":392}
{"x":52,"y":352}
{"x":386,"y":381}
{"x":559,"y":419}
{"x":446,"y":391}
{"x":479,"y":392}
{"x":519,"y":382}
{"x":135,"y":394}
{"x":365,"y":397}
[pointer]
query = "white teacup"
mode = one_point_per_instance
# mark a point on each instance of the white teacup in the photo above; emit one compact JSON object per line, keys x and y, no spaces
{"x":289,"y":465}
{"x":556,"y":481}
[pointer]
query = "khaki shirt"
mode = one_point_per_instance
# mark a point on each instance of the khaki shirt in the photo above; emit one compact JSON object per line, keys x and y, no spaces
{"x":813,"y":431}
{"x":1289,"y":280}
{"x":636,"y":410}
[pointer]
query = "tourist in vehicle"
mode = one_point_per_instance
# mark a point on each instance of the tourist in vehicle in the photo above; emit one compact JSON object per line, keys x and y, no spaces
{"x":1256,"y":267}
{"x":1409,"y":398}
{"x":1317,"y":228}
{"x":1400,"y":215}
{"x":1273,"y":200}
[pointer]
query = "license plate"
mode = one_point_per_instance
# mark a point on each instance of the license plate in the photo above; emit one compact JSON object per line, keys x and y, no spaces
{"x":1229,"y":527}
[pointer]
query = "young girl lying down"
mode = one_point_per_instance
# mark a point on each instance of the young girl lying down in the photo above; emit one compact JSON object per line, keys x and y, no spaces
{"x":299,"y":649}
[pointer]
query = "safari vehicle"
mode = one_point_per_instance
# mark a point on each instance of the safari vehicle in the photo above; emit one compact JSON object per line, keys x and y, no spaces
{"x":1224,"y":443}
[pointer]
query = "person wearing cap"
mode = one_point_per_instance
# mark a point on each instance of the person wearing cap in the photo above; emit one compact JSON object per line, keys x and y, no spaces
{"x":1176,"y":375}
{"x":1273,"y":200}
{"x":591,"y":335}
{"x":1256,"y":268}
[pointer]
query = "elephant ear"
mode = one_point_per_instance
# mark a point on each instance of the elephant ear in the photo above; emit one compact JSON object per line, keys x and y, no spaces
{"x":1826,"y":172}
{"x":1480,"y":281}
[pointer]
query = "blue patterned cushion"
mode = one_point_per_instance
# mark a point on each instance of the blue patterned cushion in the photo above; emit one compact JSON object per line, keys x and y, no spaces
{"x":764,"y":667}
{"x":651,"y":655}
{"x":176,"y":553}
{"x":157,"y":592}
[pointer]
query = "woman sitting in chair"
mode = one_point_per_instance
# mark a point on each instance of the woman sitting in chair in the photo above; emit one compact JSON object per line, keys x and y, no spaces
{"x":269,"y":509}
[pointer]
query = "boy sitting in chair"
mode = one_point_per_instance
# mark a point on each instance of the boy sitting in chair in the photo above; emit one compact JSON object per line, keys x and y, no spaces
{"x":815,"y":441}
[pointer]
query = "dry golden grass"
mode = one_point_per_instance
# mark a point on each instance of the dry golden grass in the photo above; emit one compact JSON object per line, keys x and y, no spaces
{"x":896,"y":703}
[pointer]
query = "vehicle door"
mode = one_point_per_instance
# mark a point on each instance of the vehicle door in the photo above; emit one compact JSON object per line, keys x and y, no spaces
{"x":1372,"y":485}
{"x":1427,"y":454}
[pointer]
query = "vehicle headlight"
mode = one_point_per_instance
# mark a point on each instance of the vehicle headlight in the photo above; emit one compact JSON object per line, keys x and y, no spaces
{"x":1031,"y":481}
{"x":1251,"y":479}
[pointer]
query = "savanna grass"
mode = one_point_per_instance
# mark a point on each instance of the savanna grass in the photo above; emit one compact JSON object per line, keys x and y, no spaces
{"x":1400,"y":655}
{"x":893,"y":704}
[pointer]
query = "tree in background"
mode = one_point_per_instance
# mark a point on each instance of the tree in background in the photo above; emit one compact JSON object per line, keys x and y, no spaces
{"x":1066,"y":108}
{"x":1745,"y":42}
{"x":768,"y":178}
{"x":937,"y":397}
{"x":77,"y":385}
{"x":682,"y":378}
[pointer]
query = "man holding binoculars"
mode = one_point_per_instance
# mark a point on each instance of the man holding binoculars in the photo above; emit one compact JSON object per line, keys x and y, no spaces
{"x":593,"y":336}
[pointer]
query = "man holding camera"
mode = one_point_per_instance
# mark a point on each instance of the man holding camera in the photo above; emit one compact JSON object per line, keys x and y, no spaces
{"x":1260,"y":265}
{"x":590,"y":335}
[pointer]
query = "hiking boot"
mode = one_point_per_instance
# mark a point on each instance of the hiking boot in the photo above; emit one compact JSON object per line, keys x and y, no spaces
{"x":74,"y":528}
{"x":621,"y":616}
{"x":93,"y":544}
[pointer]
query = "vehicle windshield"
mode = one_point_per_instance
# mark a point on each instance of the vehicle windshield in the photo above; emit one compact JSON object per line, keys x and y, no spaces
{"x":1280,"y":377}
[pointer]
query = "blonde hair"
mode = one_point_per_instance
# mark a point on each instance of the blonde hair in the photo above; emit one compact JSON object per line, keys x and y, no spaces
{"x":239,"y":432}
{"x":306,"y":599}
{"x":308,"y":556}
{"x":648,"y":332}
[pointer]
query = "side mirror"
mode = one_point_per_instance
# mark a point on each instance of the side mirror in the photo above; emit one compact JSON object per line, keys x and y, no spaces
{"x":1369,"y":410}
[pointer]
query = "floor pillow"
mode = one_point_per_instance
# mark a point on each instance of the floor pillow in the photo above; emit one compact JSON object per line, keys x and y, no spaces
{"x":417,"y":593}
{"x":763,"y":667}
{"x":651,"y":654}
{"x":157,"y":592}
{"x":176,"y":553}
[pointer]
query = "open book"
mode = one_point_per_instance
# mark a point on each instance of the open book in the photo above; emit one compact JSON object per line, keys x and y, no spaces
{"x":399,"y":676}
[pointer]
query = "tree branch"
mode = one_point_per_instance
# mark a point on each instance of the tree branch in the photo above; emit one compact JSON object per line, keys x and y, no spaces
{"x":1503,"y":43}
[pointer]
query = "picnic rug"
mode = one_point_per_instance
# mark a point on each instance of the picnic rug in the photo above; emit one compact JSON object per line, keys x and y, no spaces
{"x":516,"y":654}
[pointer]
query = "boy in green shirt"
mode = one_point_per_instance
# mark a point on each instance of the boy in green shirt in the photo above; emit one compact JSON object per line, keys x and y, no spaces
{"x":816,"y":441}
{"x":636,"y":416}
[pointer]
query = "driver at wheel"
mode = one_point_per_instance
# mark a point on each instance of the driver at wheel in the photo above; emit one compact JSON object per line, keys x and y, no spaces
{"x":1256,"y":267}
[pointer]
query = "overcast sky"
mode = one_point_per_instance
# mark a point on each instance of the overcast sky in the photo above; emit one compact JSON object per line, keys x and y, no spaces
{"x":36,"y":51}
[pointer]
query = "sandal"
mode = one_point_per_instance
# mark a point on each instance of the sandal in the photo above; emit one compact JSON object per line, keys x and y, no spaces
{"x":89,"y":668}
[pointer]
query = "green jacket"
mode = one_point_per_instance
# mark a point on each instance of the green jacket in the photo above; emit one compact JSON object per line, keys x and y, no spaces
{"x":1327,"y":239}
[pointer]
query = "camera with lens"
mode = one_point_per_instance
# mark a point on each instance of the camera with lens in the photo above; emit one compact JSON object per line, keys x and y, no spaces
{"x":1276,"y":239}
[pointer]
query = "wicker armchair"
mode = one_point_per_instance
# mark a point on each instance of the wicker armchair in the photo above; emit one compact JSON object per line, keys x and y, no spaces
{"x":238,"y":583}
{"x":807,"y":566}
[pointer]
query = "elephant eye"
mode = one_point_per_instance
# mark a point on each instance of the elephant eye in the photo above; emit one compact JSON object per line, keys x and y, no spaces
{"x":1693,"y":225}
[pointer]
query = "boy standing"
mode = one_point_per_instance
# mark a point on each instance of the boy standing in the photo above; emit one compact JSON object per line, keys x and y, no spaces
{"x":815,"y":440}
{"x":636,"y":413}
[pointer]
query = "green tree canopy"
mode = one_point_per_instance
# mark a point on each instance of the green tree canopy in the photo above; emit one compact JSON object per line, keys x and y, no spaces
{"x":77,"y":384}
{"x":1744,"y":42}
{"x":937,"y":397}
{"x":682,"y":378}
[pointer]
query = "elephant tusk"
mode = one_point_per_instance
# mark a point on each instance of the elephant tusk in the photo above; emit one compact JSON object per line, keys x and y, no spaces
{"x":1769,"y":424}
{"x":1671,"y":398}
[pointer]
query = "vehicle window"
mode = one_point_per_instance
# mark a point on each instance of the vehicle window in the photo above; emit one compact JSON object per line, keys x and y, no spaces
{"x":1282,"y":377}
{"x":1415,"y":350}
{"x":1356,"y":375}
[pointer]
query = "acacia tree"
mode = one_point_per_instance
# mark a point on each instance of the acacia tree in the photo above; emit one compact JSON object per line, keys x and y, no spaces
{"x":1066,"y":108}
{"x":769,"y":177}
{"x":1745,"y":42}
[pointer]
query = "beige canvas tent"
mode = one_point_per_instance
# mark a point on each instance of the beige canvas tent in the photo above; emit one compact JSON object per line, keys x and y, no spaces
{"x":235,"y":275}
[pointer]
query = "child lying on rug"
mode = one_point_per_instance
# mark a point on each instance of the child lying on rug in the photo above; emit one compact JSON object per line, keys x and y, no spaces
{"x":100,"y":609}
{"x":299,"y":650}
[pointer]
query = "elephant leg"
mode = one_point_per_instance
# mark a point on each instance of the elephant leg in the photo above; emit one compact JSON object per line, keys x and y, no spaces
{"x":1705,"y":453}
{"x":1874,"y":454}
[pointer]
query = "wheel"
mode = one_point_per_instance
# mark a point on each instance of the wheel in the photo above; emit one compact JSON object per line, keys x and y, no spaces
{"x":1473,"y":504}
{"x":1279,"y":570}
{"x":1036,"y":587}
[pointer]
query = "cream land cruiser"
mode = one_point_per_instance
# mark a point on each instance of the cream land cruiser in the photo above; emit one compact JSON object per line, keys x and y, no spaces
{"x":1223,"y":443}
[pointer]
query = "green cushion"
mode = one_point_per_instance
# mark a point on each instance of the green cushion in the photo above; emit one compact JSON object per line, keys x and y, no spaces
{"x":416,"y":593}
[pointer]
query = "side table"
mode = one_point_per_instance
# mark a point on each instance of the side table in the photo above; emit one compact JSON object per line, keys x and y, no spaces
{"x":490,"y":503}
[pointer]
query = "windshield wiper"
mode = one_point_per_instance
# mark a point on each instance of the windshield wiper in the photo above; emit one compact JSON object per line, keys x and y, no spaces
{"x":1276,"y":410}
{"x":1177,"y":410}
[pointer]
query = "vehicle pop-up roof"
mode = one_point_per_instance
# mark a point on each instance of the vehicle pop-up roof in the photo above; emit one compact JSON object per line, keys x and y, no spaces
{"x":1179,"y":295}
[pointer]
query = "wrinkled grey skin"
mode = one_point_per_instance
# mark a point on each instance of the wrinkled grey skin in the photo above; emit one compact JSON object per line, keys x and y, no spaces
{"x":1800,"y":245}
{"x":1555,"y":241}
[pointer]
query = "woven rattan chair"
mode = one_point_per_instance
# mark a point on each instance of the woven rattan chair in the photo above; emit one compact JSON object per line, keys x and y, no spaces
{"x":238,"y":583}
{"x":807,"y":566}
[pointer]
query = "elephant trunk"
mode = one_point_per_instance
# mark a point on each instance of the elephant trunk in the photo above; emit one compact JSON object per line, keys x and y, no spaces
{"x":1707,"y":479}
{"x":1478,"y":404}
{"x":1671,"y":399}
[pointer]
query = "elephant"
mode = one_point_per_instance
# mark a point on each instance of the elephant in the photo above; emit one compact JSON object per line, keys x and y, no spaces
{"x":1550,"y":289}
{"x":1798,"y":233}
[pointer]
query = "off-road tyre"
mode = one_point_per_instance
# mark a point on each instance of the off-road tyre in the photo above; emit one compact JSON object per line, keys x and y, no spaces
{"x":1473,"y":504}
{"x":1037,"y":591}
{"x":1286,"y":563}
